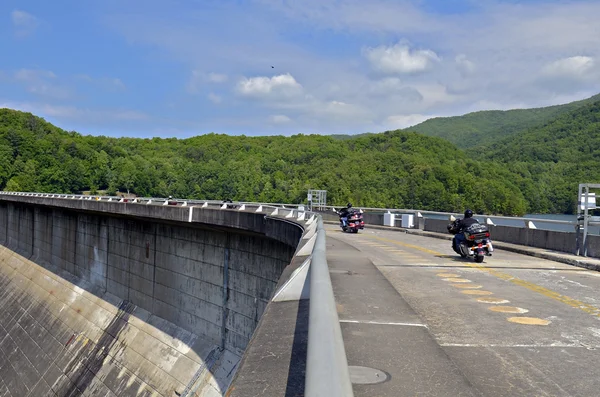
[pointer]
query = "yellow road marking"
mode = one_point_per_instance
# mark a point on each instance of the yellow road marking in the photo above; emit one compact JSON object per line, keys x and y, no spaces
{"x":457,"y":280}
{"x":508,"y":309}
{"x":541,"y":290}
{"x":407,"y":245}
{"x":466,"y":286}
{"x":492,"y":300}
{"x":507,"y":277}
{"x":528,"y":320}
{"x":476,"y":292}
{"x":448,"y":275}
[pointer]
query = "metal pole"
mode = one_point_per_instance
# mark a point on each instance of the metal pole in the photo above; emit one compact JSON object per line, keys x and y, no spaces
{"x":578,"y":236}
{"x":585,"y":219}
{"x":326,"y":364}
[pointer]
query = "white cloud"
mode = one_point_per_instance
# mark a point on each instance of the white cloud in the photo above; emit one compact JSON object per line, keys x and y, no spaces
{"x":198,"y":78}
{"x":31,"y":75}
{"x":76,"y":113}
{"x":279,"y":119}
{"x":399,"y":58}
{"x":217,"y":77}
{"x":83,"y":77}
{"x":42,"y":83}
{"x":577,"y":66}
{"x":214,"y":98}
{"x":465,"y":66}
{"x":338,"y":111}
{"x":24,"y":23}
{"x":392,"y":89}
{"x":115,"y":82}
{"x":386,"y":86}
{"x":493,"y":53}
{"x":194,"y":82}
{"x":276,"y":87}
{"x":405,"y":121}
{"x":358,"y":15}
{"x":108,"y":83}
{"x":567,"y":76}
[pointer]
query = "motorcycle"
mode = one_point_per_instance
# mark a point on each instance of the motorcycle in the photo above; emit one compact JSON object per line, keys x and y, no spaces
{"x":354,"y":223}
{"x":477,"y":243}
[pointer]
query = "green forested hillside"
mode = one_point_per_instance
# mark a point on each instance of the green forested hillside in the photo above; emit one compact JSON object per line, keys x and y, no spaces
{"x":393,"y":169}
{"x":485,"y":127}
{"x":535,"y":170}
{"x":556,"y":157}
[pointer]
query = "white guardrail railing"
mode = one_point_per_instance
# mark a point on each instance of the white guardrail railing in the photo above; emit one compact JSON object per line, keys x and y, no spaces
{"x":327,"y":372}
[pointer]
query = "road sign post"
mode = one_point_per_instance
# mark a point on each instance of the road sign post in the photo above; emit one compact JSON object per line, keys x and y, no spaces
{"x":586,"y":202}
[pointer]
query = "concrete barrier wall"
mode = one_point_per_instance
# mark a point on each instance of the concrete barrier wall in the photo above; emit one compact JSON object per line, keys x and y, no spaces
{"x":551,"y":240}
{"x":207,"y":275}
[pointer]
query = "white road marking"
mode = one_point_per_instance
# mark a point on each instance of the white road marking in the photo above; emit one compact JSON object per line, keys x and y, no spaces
{"x":558,"y":344}
{"x":382,"y":323}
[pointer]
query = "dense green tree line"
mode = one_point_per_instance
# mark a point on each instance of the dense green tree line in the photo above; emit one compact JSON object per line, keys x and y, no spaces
{"x":534,"y":171}
{"x":393,"y":169}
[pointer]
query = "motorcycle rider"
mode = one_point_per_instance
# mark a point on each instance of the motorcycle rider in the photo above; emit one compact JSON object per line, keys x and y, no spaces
{"x":344,"y":212}
{"x":459,"y":228}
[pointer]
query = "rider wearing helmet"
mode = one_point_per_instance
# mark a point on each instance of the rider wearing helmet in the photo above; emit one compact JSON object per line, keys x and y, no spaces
{"x":461,"y":225}
{"x":344,"y":212}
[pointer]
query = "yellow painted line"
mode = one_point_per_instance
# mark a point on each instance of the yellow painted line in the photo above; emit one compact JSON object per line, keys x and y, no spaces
{"x":408,"y":245}
{"x":494,"y":301}
{"x":447,"y":275}
{"x":467,"y":286}
{"x":457,"y":280}
{"x":541,"y":290}
{"x":528,"y":320}
{"x":507,"y":277}
{"x":476,"y":292}
{"x":508,"y":309}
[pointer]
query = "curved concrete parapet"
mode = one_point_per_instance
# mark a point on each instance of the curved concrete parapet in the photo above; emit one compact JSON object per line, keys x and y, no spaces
{"x":108,"y":298}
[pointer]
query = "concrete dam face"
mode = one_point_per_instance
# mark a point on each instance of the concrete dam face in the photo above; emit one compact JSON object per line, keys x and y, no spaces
{"x":114,"y":299}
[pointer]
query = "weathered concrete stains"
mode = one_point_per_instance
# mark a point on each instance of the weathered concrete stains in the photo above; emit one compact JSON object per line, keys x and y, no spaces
{"x":84,"y":365}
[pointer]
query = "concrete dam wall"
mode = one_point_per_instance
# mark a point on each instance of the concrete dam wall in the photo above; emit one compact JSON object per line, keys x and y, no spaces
{"x":114,"y":299}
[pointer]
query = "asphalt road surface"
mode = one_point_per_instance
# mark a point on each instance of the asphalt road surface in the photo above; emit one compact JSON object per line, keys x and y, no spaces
{"x":434,"y":324}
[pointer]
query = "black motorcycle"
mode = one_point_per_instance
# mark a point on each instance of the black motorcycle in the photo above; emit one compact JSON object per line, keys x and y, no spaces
{"x":477,"y":242}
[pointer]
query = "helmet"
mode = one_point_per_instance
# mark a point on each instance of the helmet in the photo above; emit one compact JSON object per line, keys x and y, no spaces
{"x":468,"y":213}
{"x":349,"y":205}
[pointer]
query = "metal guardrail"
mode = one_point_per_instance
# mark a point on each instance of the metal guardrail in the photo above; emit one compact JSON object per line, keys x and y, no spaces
{"x":528,"y":222}
{"x":326,"y":364}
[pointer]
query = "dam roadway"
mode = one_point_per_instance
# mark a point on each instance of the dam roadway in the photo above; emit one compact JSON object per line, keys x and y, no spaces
{"x":108,"y":298}
{"x":437,"y":325}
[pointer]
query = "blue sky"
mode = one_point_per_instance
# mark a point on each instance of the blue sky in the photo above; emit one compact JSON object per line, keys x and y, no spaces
{"x":183,"y":68}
